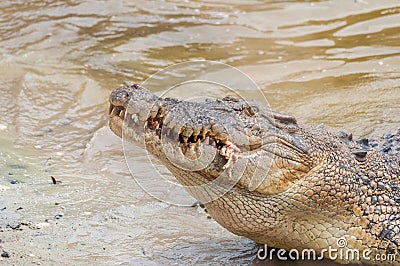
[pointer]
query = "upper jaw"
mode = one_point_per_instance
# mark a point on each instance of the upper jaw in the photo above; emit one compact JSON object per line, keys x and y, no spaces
{"x":162,"y":120}
{"x":190,"y":124}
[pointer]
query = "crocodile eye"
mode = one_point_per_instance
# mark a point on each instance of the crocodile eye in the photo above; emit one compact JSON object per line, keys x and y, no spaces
{"x":360,"y":155}
{"x":255,"y":108}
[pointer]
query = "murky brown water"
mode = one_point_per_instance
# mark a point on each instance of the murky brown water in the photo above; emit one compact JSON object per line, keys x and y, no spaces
{"x":331,"y":62}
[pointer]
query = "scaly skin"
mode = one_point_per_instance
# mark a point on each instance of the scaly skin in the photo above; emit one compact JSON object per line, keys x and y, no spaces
{"x":294,"y":186}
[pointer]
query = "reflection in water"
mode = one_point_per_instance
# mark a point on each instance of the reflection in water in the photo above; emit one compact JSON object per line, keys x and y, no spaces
{"x":331,"y":62}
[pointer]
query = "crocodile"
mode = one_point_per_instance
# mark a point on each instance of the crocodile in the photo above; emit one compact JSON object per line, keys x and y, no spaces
{"x":280,"y":182}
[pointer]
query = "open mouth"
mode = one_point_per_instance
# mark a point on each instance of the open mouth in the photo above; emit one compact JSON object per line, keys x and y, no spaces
{"x":116,"y":111}
{"x":187,"y":137}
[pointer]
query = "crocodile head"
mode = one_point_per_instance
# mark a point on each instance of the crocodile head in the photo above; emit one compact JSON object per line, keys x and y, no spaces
{"x":202,"y":141}
{"x":263,"y":175}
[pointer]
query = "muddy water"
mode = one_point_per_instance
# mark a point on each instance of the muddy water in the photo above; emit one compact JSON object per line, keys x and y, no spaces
{"x":330,"y":62}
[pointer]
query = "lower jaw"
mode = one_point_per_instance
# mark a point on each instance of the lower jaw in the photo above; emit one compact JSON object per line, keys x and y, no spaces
{"x":120,"y":127}
{"x":115,"y":124}
{"x":155,"y":146}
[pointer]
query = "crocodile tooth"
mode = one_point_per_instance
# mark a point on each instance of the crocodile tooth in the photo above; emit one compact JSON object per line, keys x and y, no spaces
{"x":185,"y":139}
{"x":153,"y":111}
{"x":134,"y":117}
{"x":161,"y":112}
{"x":110,"y":109}
{"x":153,"y":124}
{"x":191,"y":151}
{"x":223,"y":151}
{"x":187,"y":131}
{"x":194,"y":137}
{"x":115,"y":111}
{"x":196,"y":130}
{"x":205,"y":130}
{"x":122,"y":113}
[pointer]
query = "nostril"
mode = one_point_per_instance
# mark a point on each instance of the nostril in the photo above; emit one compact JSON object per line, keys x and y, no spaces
{"x":124,"y":94}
